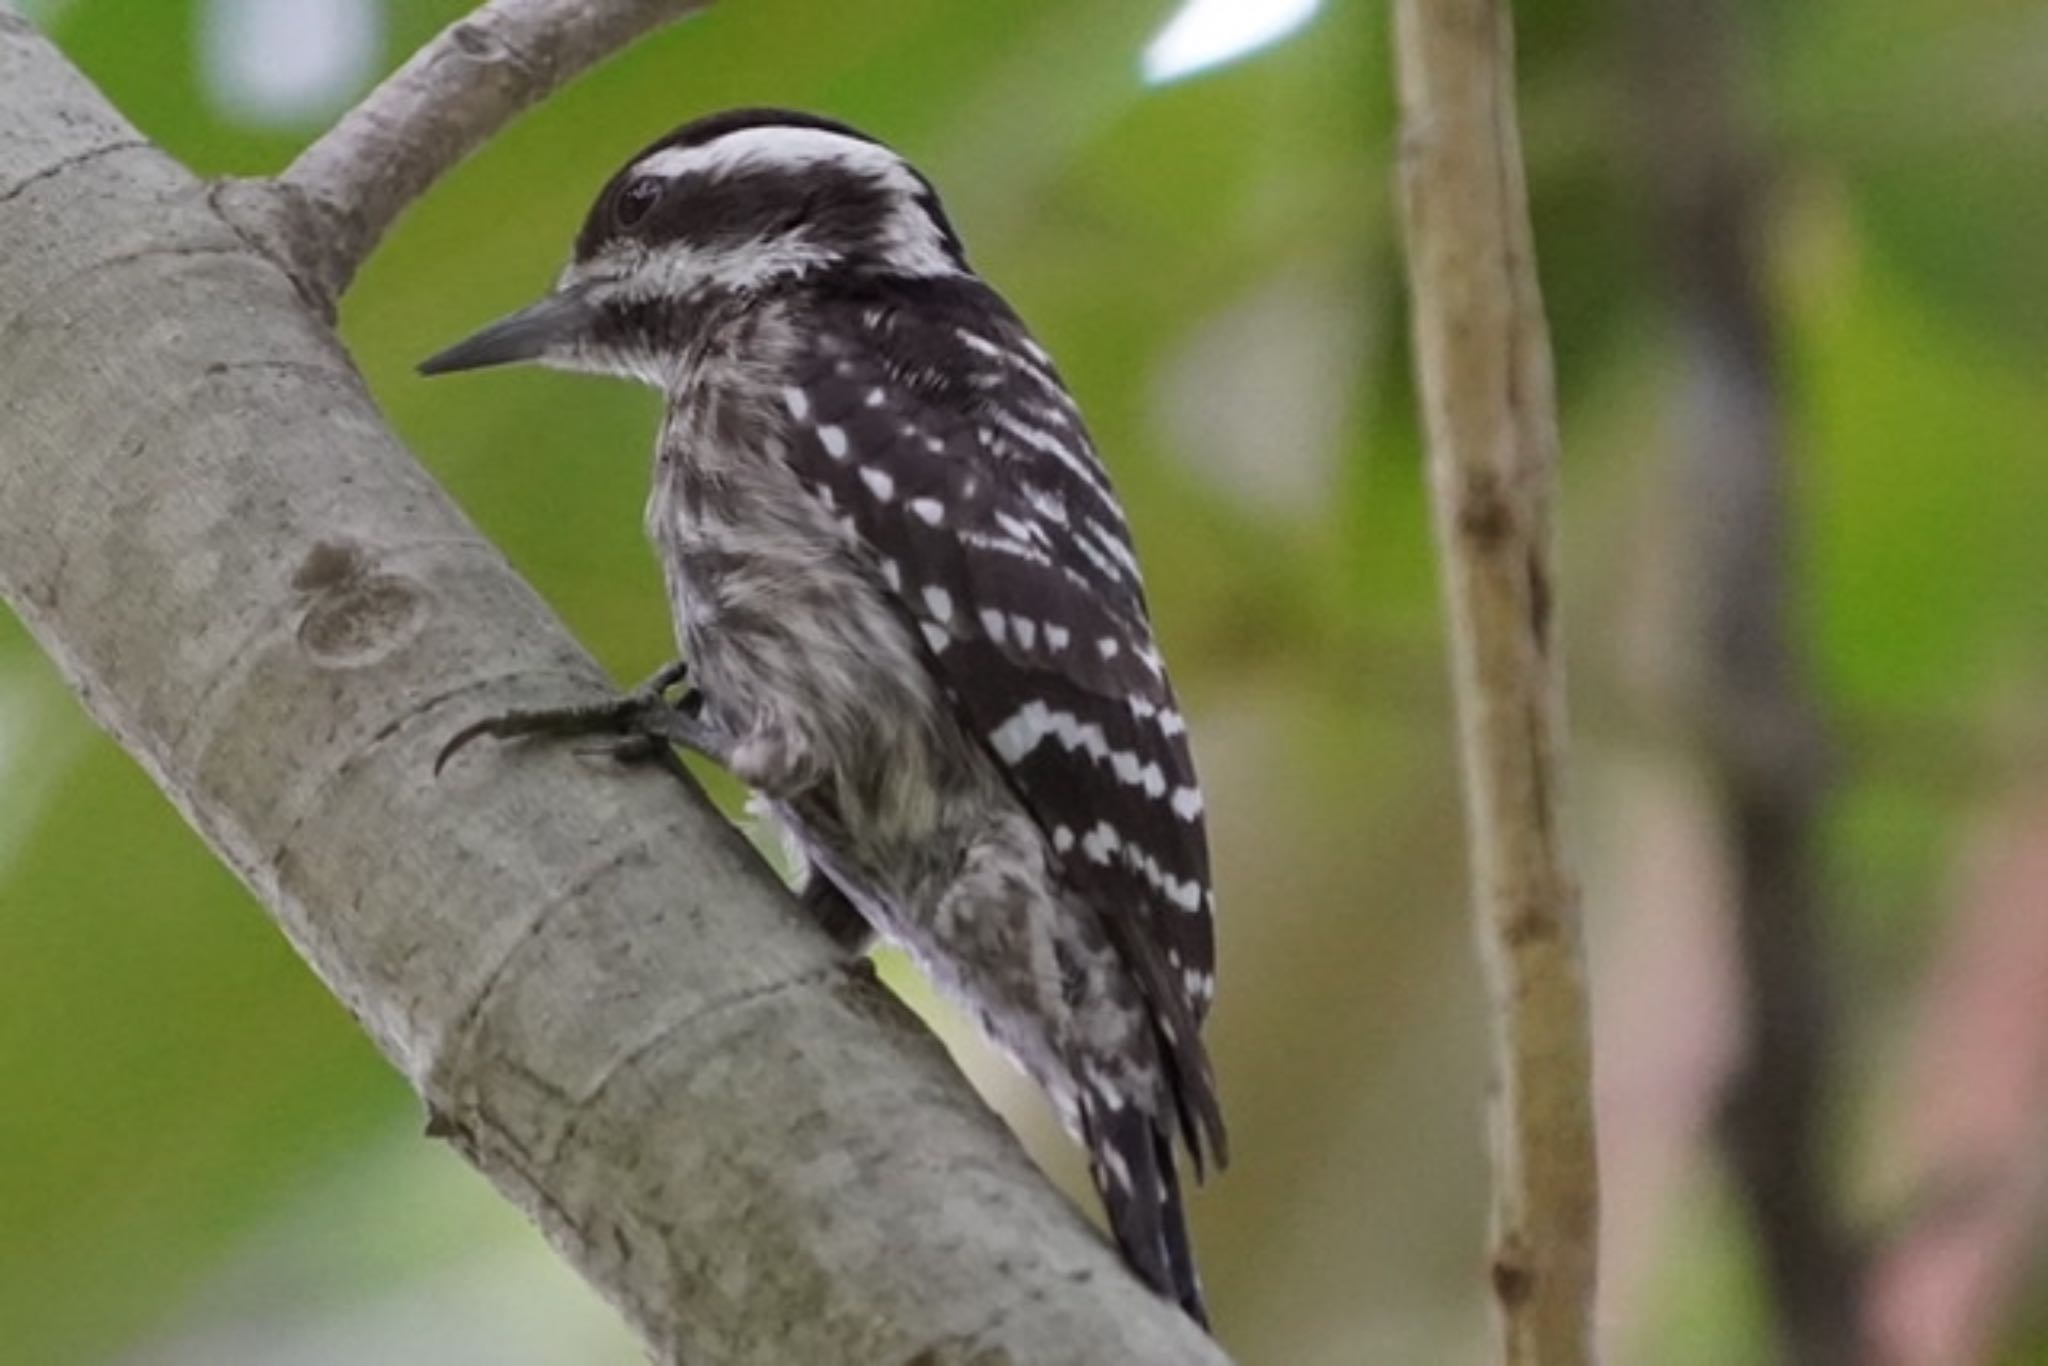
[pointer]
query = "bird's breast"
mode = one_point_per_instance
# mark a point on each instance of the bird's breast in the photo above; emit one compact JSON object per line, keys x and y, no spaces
{"x":773,"y":602}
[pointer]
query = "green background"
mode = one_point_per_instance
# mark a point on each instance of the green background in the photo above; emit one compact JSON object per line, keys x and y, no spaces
{"x":202,"y":1160}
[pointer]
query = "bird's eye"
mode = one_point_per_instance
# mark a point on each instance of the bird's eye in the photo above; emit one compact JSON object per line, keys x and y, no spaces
{"x":636,"y":199}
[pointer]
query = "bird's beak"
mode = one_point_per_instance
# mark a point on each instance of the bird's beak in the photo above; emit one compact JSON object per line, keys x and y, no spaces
{"x":529,"y":334}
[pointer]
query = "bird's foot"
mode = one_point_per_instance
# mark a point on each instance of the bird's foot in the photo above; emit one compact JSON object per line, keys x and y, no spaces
{"x":639,"y":725}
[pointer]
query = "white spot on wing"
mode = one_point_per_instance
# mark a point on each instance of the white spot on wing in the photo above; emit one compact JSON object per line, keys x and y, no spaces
{"x":1004,"y":546}
{"x":1046,"y":504}
{"x":1185,"y":893}
{"x":1019,"y":735}
{"x":833,"y":439}
{"x":878,"y":481}
{"x":1018,"y":528}
{"x":1053,"y":413}
{"x":1098,"y":844}
{"x":930,"y":509}
{"x":939,"y":603}
{"x":1078,"y":460}
{"x":1118,"y":1170}
{"x":1118,"y":548}
{"x":976,"y":342}
{"x":1103,"y":564}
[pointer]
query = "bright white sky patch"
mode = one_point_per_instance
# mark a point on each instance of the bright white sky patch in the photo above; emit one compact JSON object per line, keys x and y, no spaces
{"x":288,"y":61}
{"x":1206,"y":33}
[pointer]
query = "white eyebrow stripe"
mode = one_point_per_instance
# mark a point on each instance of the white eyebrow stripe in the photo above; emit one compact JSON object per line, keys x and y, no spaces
{"x":778,"y":145}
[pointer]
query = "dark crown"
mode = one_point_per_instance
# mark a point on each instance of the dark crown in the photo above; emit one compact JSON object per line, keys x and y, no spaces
{"x":849,"y":207}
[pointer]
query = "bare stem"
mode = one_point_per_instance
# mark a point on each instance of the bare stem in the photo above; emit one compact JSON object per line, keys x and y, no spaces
{"x":1483,"y":359}
{"x":471,"y":80}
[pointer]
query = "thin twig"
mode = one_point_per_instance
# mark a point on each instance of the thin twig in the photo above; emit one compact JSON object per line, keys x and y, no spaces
{"x":467,"y":83}
{"x":1483,"y":356}
{"x":1759,"y":726}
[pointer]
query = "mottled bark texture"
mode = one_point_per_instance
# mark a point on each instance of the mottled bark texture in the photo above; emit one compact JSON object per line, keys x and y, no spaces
{"x":1482,"y":353}
{"x":607,"y":1002}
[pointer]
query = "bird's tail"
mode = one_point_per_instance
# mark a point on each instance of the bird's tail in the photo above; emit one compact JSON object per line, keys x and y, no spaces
{"x":1131,"y":1156}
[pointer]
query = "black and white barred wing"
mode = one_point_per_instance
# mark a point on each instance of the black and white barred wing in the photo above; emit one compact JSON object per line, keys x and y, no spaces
{"x":939,"y":434}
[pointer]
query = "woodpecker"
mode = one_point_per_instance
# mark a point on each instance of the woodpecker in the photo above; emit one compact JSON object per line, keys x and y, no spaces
{"x":912,"y":618}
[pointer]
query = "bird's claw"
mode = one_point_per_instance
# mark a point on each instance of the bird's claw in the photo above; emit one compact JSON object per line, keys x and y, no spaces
{"x":643,"y":721}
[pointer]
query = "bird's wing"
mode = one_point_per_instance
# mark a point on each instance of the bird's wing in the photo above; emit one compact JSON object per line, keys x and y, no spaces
{"x":931,"y":424}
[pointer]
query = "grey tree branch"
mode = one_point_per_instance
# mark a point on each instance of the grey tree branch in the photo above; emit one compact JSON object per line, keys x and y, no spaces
{"x":1758,"y":726}
{"x":1482,"y":353}
{"x":346,"y":189}
{"x":605,"y":999}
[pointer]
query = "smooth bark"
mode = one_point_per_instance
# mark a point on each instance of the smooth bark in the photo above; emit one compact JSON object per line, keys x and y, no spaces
{"x":1482,"y":354}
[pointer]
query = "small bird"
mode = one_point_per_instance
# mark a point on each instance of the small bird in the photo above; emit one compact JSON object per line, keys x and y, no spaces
{"x":912,"y":618}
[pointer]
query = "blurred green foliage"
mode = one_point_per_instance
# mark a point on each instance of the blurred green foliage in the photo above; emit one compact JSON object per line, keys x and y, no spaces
{"x":197,"y":1148}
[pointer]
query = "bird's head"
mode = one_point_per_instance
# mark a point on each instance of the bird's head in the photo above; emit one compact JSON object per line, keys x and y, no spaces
{"x":729,"y":206}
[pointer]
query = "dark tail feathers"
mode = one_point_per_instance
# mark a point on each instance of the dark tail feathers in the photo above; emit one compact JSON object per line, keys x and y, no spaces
{"x":1131,"y":1156}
